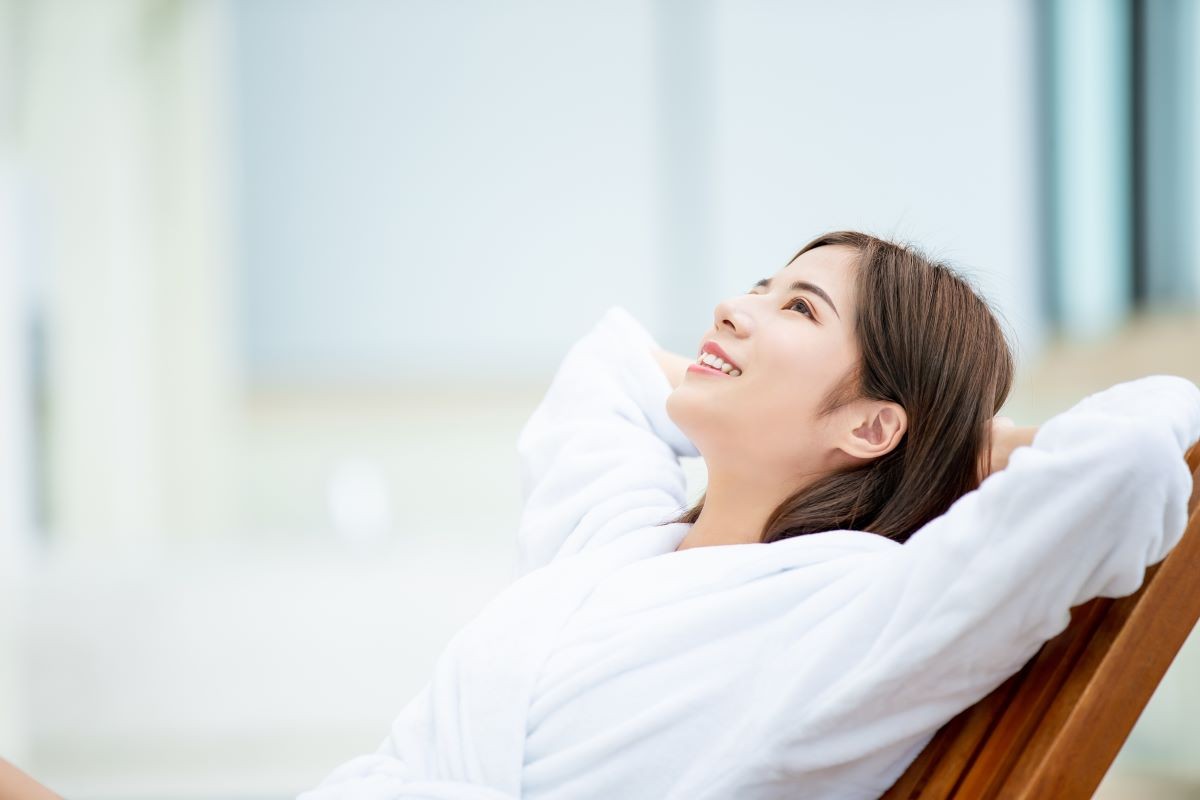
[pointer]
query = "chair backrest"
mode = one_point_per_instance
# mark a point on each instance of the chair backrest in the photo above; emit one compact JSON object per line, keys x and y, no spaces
{"x":1053,"y":729}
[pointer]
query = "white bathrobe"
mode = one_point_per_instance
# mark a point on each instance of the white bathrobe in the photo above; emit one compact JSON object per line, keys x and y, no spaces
{"x":615,"y":668}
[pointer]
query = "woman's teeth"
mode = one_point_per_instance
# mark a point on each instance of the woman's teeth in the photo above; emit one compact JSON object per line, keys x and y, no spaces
{"x":713,"y":361}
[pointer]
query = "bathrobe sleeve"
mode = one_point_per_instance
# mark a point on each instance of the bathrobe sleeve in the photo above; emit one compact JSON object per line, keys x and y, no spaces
{"x":599,"y":457}
{"x":1099,"y":496}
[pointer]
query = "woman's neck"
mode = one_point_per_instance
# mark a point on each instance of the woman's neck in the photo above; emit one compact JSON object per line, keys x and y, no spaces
{"x":735,"y":512}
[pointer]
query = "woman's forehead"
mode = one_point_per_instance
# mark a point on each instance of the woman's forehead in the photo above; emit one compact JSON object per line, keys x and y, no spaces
{"x":828,"y":267}
{"x":830,"y":261}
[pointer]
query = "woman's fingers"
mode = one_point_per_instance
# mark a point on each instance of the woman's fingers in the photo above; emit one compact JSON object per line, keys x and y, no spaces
{"x":999,"y":446}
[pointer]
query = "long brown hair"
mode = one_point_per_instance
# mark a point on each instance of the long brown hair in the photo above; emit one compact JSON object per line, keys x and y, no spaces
{"x":931,"y":343}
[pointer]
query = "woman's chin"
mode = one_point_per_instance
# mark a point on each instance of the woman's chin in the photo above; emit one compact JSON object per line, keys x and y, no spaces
{"x":690,"y":413}
{"x":680,"y":409}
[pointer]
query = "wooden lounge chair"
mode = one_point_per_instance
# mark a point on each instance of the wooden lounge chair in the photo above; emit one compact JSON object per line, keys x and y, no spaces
{"x":1053,"y":729}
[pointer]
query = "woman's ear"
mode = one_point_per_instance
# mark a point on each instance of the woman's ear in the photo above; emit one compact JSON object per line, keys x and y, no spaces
{"x":874,"y":428}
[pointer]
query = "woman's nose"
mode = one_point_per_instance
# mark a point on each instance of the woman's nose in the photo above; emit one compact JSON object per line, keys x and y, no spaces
{"x":728,"y":315}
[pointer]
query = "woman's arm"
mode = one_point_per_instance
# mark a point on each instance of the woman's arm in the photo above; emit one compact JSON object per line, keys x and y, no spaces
{"x":1007,"y":437}
{"x":1097,"y":495}
{"x":16,"y":784}
{"x":599,"y":456}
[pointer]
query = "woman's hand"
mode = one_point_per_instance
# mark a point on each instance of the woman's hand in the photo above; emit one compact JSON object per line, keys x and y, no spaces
{"x":673,"y":365}
{"x":1006,"y":437}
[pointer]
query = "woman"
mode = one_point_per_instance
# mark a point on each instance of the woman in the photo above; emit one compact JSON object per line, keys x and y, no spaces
{"x":873,"y":553}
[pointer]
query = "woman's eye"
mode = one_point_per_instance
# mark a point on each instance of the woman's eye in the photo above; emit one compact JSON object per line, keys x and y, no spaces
{"x":801,"y":301}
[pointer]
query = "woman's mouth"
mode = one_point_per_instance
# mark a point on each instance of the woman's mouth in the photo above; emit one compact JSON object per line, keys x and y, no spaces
{"x":710,"y":364}
{"x":706,"y":369}
{"x":713,"y":355}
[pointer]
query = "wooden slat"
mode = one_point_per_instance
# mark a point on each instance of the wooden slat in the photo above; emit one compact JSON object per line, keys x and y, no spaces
{"x":1193,"y":461}
{"x":941,"y":765}
{"x":979,"y":745}
{"x":1053,"y":729}
{"x":1048,"y":671}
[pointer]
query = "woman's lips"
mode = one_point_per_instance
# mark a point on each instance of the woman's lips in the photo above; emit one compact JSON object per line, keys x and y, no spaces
{"x":705,"y":368}
{"x":718,"y":351}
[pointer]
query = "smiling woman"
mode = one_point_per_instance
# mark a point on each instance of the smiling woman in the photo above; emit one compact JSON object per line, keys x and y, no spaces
{"x":852,"y":411}
{"x":796,"y":656}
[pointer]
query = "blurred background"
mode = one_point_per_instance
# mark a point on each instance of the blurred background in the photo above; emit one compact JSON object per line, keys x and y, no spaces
{"x":281,"y":281}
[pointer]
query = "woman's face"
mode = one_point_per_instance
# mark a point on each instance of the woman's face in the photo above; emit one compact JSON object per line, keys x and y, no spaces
{"x":792,"y":343}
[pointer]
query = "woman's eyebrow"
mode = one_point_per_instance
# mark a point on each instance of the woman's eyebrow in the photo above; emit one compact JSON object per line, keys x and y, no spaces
{"x":802,"y":285}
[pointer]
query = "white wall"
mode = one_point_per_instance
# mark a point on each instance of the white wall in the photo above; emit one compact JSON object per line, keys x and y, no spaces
{"x":17,"y":540}
{"x":429,"y":188}
{"x":121,"y":134}
{"x":905,"y":119}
